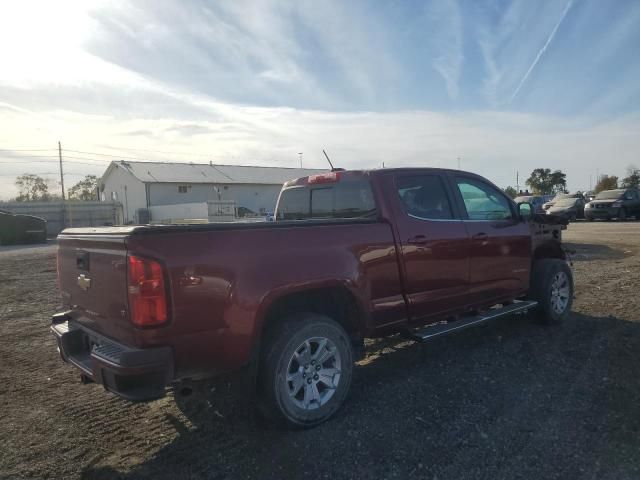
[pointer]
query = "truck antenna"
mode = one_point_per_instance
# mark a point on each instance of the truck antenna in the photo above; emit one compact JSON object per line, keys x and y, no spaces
{"x":328,"y":159}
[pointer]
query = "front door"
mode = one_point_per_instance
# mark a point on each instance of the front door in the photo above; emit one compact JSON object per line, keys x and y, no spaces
{"x":500,"y":245}
{"x":434,"y":245}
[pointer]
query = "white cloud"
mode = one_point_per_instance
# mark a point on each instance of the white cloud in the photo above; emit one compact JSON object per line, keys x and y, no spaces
{"x":542,"y":50}
{"x":179,"y":77}
{"x":446,"y":22}
{"x":495,"y":144}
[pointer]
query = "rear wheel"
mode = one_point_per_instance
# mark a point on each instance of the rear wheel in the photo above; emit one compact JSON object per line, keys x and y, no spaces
{"x":552,"y":288}
{"x":306,"y":370}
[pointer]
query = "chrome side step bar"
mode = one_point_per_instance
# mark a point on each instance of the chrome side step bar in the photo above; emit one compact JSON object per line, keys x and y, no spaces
{"x":441,"y":329}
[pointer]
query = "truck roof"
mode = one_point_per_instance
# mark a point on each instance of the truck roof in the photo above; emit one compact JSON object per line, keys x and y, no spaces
{"x":339,"y":173}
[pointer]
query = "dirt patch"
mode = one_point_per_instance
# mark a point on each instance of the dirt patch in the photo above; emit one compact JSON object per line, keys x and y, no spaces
{"x":509,"y":400}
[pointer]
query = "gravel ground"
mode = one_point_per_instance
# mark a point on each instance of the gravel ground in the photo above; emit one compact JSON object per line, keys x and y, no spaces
{"x":504,"y":401}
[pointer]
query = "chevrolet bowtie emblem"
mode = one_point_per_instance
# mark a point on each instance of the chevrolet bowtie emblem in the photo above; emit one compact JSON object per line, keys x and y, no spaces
{"x":83,"y":282}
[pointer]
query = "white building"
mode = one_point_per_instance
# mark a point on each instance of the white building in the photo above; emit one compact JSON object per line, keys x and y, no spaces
{"x":140,"y":185}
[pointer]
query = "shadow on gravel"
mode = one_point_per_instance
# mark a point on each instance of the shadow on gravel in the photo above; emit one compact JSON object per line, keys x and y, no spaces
{"x":586,"y":252}
{"x":508,"y":400}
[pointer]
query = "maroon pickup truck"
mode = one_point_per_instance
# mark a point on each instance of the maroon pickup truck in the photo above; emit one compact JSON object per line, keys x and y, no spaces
{"x":351,"y":254}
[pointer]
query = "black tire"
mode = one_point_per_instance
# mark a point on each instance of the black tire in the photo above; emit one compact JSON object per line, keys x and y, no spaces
{"x":543,"y":290}
{"x":277,"y":359}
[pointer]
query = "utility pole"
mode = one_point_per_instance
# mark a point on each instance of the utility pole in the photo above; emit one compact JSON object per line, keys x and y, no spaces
{"x":61,"y":174}
{"x":300,"y":157}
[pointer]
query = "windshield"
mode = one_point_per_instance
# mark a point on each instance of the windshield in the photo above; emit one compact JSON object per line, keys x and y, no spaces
{"x":566,"y":202}
{"x":609,"y":195}
{"x":523,"y":199}
{"x":560,"y":196}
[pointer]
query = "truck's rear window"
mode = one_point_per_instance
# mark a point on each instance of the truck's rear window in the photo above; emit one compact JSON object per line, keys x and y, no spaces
{"x":345,"y":199}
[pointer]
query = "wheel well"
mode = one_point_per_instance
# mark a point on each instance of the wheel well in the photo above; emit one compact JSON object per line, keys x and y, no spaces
{"x":549,"y":250}
{"x":337,"y":303}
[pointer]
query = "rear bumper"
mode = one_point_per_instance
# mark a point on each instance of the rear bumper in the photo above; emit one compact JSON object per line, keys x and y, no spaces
{"x":132,"y":373}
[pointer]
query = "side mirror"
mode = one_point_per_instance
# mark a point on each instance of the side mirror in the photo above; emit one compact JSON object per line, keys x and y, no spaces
{"x":525,"y":211}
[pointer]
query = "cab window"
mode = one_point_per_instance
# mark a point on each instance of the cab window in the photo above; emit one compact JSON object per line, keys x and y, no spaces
{"x":424,"y":197}
{"x":482,"y":201}
{"x":345,"y":199}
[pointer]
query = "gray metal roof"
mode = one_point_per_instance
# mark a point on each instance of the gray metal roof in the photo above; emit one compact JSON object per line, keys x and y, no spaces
{"x":161,"y":172}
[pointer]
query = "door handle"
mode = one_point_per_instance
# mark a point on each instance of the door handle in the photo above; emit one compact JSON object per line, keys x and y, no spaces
{"x":480,"y":236}
{"x":418,"y":240}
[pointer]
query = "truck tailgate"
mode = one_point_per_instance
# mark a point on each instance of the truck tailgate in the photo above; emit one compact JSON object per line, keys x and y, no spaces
{"x":92,"y":273}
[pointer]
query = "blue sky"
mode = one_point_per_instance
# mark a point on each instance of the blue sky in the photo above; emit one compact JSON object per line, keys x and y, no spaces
{"x":505,"y":85}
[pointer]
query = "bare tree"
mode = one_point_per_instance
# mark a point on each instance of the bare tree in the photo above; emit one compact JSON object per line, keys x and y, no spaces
{"x":32,"y":188}
{"x":606,"y":182}
{"x":85,"y":189}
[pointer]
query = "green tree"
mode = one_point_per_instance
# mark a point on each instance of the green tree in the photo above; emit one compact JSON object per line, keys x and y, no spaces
{"x":85,"y":189}
{"x":511,"y":192}
{"x":606,"y":182}
{"x":632,"y":180}
{"x":32,"y":188}
{"x":545,"y":182}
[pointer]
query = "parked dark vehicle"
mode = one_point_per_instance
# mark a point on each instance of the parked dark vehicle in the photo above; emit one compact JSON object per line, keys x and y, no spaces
{"x":535,"y":200}
{"x":570,"y":208}
{"x":425,"y":252}
{"x":620,"y":204}
{"x":562,"y":196}
{"x":18,"y":229}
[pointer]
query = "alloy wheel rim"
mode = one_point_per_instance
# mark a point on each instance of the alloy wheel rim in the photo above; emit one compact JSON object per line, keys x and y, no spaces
{"x":313,"y":373}
{"x":560,"y":292}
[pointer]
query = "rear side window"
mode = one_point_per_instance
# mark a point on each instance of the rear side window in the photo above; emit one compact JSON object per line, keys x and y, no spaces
{"x":345,"y":199}
{"x":424,"y":197}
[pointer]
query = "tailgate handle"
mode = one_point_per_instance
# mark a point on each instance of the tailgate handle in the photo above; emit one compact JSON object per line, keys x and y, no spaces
{"x":82,"y":261}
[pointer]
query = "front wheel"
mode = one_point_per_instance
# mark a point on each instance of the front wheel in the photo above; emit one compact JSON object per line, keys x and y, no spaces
{"x":552,"y":288}
{"x":306,"y":370}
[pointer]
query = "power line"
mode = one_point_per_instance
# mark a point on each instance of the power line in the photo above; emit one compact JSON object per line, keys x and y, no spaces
{"x":42,"y":173}
{"x":33,"y":156}
{"x":65,"y":158}
{"x":61,"y":174}
{"x":57,"y":158}
{"x":27,"y":150}
{"x":166,"y":152}
{"x":102,"y":154}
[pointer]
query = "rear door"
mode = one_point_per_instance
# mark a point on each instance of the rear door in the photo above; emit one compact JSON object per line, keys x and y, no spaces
{"x":434,"y":244}
{"x":500,"y":244}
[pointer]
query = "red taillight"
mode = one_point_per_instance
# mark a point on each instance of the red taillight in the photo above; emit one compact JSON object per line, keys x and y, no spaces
{"x":330,"y":177}
{"x":147,"y":295}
